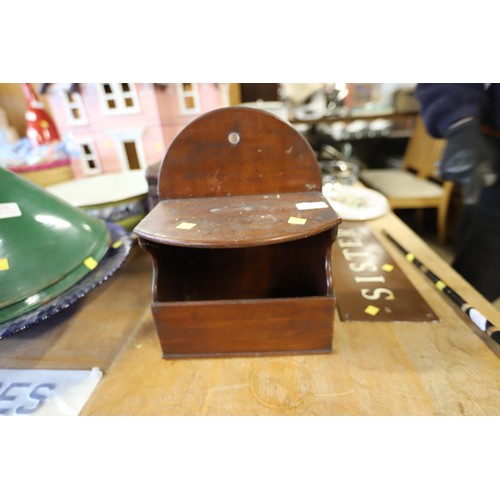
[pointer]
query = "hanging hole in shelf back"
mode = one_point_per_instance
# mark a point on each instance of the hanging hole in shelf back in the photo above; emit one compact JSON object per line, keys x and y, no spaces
{"x":233,"y":138}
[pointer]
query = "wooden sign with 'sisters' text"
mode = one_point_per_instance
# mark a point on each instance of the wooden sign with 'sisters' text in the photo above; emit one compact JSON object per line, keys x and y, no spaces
{"x":368,"y":284}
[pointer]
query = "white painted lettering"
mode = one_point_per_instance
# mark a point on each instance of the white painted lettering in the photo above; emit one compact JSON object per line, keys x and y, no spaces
{"x":345,"y":243}
{"x":349,"y":255}
{"x":369,"y":279}
{"x":362,"y":266}
{"x":348,"y":232}
{"x":377,"y":294}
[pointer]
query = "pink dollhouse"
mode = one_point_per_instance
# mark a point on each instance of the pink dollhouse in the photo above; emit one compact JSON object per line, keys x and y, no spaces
{"x":126,"y":126}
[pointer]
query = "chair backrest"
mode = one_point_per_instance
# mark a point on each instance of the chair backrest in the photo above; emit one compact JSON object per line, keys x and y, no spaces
{"x":423,"y":151}
{"x":238,"y":151}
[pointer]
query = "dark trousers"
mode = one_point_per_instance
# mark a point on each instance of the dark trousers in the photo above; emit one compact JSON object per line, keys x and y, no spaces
{"x":478,"y":252}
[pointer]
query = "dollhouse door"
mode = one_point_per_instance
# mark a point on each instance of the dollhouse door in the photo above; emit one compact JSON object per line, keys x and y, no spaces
{"x":131,"y":153}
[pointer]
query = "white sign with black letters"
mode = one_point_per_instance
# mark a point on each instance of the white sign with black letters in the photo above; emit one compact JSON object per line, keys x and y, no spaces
{"x":46,"y":392}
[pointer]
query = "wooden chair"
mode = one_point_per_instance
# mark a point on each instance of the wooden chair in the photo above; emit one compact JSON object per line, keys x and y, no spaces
{"x":241,"y":240}
{"x":416,"y":185}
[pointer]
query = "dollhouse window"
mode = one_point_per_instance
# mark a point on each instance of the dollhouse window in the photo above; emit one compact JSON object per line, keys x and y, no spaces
{"x":74,"y":108}
{"x":118,"y":98}
{"x":189,"y":98}
{"x":89,"y":158}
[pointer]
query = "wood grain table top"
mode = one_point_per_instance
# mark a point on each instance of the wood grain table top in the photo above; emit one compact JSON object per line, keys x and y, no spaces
{"x":446,"y":367}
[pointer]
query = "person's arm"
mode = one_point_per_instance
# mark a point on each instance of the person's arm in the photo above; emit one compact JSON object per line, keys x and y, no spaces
{"x":444,"y":104}
{"x":453,"y":111}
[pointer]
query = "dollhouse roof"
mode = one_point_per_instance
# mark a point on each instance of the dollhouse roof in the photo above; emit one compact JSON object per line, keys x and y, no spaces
{"x":75,"y":87}
{"x":70,"y":87}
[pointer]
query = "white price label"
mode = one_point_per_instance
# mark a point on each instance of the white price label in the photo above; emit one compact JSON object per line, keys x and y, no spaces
{"x":478,"y":319}
{"x":8,"y":210}
{"x":311,"y":205}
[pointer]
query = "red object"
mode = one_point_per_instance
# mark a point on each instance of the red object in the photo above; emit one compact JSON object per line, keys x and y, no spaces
{"x":40,"y":128}
{"x":21,"y":169}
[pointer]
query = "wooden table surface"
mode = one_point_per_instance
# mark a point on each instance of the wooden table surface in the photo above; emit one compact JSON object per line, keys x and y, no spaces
{"x":442,"y":368}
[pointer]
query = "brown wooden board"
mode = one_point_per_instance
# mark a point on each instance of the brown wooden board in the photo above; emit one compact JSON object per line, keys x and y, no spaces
{"x":245,"y":327}
{"x":368,"y":284}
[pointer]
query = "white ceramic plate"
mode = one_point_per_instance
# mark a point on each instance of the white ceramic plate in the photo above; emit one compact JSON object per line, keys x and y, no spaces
{"x":101,"y":189}
{"x":356,"y":203}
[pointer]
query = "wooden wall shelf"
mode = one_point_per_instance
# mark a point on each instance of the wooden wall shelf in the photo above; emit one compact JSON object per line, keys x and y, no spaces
{"x":241,"y":241}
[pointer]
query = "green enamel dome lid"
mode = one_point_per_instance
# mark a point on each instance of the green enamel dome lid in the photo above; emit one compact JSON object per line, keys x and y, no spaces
{"x":46,"y":245}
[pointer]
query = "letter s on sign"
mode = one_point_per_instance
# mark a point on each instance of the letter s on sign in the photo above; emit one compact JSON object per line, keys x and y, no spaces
{"x":377,"y":294}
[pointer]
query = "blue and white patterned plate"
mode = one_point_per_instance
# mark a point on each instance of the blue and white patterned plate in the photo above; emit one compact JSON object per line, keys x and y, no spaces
{"x":109,"y":264}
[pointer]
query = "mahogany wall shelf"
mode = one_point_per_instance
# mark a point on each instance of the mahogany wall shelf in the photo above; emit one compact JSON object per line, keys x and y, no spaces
{"x":241,"y":240}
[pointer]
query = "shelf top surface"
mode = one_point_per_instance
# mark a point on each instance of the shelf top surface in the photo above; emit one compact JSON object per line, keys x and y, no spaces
{"x":238,"y":221}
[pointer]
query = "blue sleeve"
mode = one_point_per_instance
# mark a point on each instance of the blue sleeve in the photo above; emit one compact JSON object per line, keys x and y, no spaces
{"x":442,"y":104}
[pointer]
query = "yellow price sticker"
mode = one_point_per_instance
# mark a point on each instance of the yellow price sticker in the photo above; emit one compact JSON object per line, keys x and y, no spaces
{"x":372,"y":310}
{"x":4,"y":264}
{"x":90,"y":262}
{"x":440,"y":285}
{"x":297,"y":220}
{"x":186,"y":225}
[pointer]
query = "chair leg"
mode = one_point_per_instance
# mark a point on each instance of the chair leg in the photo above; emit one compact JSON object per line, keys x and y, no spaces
{"x":441,"y":224}
{"x":443,"y":211}
{"x":419,"y":213}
